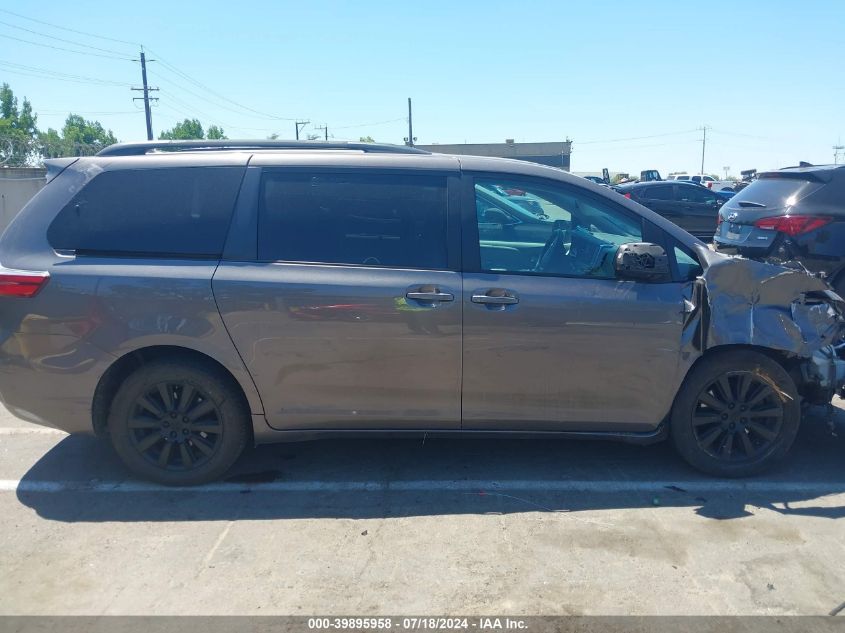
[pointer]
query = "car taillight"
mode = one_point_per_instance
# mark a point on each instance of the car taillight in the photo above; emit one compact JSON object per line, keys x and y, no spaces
{"x":793,"y":224}
{"x":628,"y":195}
{"x":709,"y":185}
{"x":21,"y":283}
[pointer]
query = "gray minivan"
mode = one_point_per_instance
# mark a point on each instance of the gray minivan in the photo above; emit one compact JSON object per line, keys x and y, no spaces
{"x":186,"y":298}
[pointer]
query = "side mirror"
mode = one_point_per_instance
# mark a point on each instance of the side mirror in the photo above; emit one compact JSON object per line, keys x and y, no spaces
{"x":639,"y":261}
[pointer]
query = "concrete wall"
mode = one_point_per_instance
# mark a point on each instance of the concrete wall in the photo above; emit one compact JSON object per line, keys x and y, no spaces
{"x":17,"y":186}
{"x":554,"y":154}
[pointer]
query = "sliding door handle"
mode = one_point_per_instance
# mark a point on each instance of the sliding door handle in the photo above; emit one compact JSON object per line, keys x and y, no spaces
{"x":430,"y":296}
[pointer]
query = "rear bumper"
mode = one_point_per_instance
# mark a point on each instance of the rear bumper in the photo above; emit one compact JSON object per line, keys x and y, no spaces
{"x":739,"y":248}
{"x":820,"y":251}
{"x":50,"y":379}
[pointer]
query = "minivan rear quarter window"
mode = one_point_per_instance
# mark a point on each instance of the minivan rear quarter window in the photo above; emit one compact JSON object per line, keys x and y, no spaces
{"x":157,"y":212}
{"x":366,"y":219}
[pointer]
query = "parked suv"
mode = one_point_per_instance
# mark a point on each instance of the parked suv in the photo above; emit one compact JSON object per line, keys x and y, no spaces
{"x":185,"y":299}
{"x":796,"y":214}
{"x":692,"y":207}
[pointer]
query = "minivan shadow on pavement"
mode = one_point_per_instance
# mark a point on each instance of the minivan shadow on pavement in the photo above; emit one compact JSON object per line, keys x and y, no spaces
{"x":353,"y":479}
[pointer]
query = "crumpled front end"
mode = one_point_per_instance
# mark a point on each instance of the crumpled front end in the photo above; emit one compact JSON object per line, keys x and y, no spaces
{"x":738,"y":301}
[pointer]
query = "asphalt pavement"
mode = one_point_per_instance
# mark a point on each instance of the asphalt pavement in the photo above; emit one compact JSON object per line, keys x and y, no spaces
{"x":434,"y":526}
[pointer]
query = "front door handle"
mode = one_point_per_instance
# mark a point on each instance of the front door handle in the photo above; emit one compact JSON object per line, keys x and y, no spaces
{"x":430,"y":296}
{"x":495,"y":298}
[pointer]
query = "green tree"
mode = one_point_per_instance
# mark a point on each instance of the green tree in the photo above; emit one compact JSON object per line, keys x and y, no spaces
{"x":188,"y":129}
{"x":215,"y":132}
{"x":18,"y":129}
{"x":79,"y":137}
{"x":191,"y":129}
{"x":367,"y":139}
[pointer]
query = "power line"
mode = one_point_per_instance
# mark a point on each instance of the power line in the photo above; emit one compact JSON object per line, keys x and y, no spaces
{"x":59,"y":39}
{"x":199,"y":96}
{"x":346,"y":127}
{"x":87,"y":112}
{"x":194,"y":111}
{"x":62,"y":48}
{"x":45,"y":73}
{"x":64,"y":28}
{"x":616,"y":149}
{"x":728,"y":133}
{"x":202,"y":86}
{"x":636,"y":138}
{"x":164,"y":64}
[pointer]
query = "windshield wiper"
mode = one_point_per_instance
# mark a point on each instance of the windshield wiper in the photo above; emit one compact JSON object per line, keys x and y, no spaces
{"x":748,"y":203}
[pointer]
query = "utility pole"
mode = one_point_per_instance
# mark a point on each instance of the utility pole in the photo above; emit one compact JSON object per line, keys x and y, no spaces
{"x":409,"y":140}
{"x":703,"y":144}
{"x":325,"y":129}
{"x":146,"y":96}
{"x":836,"y":150}
{"x":299,"y":126}
{"x":727,"y":169}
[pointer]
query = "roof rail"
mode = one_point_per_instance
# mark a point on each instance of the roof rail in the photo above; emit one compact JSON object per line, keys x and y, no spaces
{"x":146,"y":147}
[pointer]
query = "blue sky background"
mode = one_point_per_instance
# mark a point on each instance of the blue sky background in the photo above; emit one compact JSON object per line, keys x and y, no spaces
{"x":766,"y":76}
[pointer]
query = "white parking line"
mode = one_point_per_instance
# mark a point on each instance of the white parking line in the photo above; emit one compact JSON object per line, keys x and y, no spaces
{"x":38,"y":430}
{"x":475,"y":486}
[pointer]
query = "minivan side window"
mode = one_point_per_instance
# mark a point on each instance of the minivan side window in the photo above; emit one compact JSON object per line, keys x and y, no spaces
{"x":527,"y":227}
{"x":365,"y":219}
{"x":179,"y":212}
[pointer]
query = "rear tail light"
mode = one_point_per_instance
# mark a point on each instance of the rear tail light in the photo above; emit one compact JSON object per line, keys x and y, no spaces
{"x":628,"y":195}
{"x":793,"y":224}
{"x":709,"y":185}
{"x":21,"y":283}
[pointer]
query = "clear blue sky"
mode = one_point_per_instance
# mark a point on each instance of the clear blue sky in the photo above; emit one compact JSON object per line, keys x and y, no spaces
{"x":765,"y":75}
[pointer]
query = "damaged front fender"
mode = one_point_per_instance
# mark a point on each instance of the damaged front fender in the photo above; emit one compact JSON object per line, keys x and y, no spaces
{"x":738,"y":301}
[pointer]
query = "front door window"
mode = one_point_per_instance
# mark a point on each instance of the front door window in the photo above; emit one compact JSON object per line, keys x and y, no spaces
{"x":539,"y":229}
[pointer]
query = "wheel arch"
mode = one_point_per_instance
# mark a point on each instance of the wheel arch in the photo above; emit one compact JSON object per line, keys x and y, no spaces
{"x":790,"y":362}
{"x":121,"y":368}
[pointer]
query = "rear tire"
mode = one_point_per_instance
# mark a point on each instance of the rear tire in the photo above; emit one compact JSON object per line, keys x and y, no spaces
{"x":178,"y":423}
{"x":736,"y":415}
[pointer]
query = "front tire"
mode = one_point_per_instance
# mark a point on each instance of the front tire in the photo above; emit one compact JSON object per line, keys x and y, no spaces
{"x":178,"y":423}
{"x":736,"y":415}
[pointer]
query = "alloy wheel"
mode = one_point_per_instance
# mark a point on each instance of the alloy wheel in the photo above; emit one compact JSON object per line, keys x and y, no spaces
{"x":175,"y":426}
{"x":737,"y":416}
